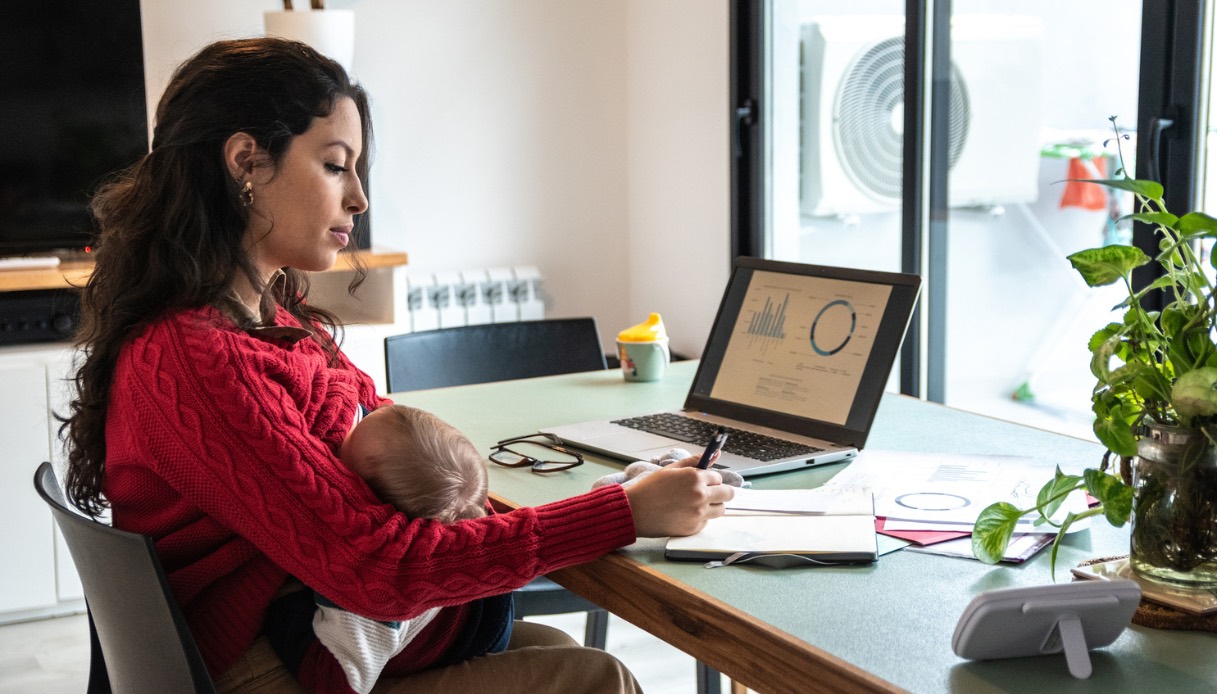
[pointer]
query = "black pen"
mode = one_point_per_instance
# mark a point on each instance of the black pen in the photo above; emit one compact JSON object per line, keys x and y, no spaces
{"x":712,"y":448}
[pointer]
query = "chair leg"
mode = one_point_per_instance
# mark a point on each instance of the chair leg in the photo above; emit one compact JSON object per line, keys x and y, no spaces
{"x":99,"y":678}
{"x":708,"y":679}
{"x":595,"y":634}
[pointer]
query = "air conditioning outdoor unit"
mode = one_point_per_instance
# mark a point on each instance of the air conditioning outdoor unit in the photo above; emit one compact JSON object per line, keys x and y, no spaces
{"x":853,"y":112}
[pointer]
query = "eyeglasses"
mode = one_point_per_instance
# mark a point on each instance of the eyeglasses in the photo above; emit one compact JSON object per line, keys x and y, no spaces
{"x":540,"y":451}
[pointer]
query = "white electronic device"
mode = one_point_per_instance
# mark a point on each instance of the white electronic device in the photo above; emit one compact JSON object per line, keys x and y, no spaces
{"x":1041,"y":620}
{"x":29,"y":263}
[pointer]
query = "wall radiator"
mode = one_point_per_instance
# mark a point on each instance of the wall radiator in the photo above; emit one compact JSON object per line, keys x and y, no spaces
{"x":473,"y":297}
{"x":406,"y":299}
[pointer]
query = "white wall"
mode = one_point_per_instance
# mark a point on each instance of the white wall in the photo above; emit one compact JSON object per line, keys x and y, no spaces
{"x":679,"y":175}
{"x":585,"y":137}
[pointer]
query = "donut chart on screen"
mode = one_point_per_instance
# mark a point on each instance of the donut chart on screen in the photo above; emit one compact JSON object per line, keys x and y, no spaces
{"x":835,"y":312}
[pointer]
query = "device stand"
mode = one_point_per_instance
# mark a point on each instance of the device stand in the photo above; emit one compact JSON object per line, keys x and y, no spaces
{"x":1073,"y":640}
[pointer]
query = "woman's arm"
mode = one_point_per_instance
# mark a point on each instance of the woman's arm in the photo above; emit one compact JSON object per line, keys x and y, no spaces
{"x":218,"y":416}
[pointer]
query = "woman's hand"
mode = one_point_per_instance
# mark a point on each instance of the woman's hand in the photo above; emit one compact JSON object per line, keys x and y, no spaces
{"x":677,"y":500}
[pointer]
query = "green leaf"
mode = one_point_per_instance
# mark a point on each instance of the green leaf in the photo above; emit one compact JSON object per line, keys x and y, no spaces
{"x":1103,"y":266}
{"x":1148,"y":189}
{"x":1200,"y":345}
{"x":1165,"y":219}
{"x":1060,"y":535}
{"x":1116,"y":434}
{"x":1148,"y":383}
{"x":992,"y":531}
{"x":1197,"y":225}
{"x":1123,"y":376}
{"x":1101,"y":354}
{"x":1142,"y":319}
{"x":1174,"y":318}
{"x":1102,"y":334}
{"x":1053,"y":494}
{"x":1179,"y":350}
{"x":1170,"y":256}
{"x":1163,"y":282}
{"x":1111,"y":491}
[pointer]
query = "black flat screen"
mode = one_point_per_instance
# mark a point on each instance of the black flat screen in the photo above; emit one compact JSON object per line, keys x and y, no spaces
{"x":71,"y":112}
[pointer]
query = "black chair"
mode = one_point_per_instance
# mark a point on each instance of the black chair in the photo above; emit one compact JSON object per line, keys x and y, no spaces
{"x":502,"y":352}
{"x":492,"y":352}
{"x":140,"y":642}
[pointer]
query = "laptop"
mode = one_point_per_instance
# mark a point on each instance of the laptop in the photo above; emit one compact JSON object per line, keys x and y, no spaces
{"x":795,"y":365}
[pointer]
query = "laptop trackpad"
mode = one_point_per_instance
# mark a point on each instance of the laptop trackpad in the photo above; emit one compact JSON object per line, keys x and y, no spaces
{"x":613,"y":439}
{"x":640,"y":443}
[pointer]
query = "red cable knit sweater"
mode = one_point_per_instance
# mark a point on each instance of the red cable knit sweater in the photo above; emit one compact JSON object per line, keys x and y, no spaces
{"x":221,"y":445}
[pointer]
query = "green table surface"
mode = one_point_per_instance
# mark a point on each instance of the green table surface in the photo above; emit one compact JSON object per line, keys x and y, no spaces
{"x":893,"y":619}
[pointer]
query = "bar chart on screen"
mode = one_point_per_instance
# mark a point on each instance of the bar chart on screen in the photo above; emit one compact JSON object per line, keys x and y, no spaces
{"x":767,"y":327}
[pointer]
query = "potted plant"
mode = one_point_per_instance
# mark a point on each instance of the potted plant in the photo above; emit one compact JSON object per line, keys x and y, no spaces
{"x":1154,"y":403}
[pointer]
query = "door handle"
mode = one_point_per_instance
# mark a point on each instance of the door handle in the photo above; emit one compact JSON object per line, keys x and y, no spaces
{"x":744,"y":115}
{"x":1156,"y":126}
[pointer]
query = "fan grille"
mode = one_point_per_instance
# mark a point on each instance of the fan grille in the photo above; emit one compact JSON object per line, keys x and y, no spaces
{"x":868,"y":140}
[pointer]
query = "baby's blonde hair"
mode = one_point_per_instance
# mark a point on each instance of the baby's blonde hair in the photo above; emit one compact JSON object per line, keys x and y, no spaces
{"x":420,"y":464}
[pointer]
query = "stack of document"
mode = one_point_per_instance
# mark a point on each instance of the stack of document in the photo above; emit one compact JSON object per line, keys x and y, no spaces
{"x":786,"y":528}
{"x":932,"y":500}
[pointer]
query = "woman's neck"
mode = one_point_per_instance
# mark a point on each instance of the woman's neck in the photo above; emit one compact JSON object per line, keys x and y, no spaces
{"x":244,"y":291}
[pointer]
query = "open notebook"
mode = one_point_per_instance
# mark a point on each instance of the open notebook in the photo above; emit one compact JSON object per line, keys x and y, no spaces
{"x":794,"y":368}
{"x":840,"y":531}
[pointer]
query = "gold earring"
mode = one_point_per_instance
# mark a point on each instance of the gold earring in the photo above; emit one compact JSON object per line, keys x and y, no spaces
{"x":247,"y":193}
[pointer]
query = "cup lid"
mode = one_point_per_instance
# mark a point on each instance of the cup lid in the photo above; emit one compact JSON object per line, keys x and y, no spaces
{"x":650,"y":330}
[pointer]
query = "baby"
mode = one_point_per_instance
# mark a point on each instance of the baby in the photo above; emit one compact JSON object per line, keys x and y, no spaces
{"x":427,"y":469}
{"x":419,"y":463}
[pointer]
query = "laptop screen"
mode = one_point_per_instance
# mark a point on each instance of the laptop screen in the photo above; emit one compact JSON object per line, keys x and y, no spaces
{"x":804,"y":348}
{"x":800,"y":344}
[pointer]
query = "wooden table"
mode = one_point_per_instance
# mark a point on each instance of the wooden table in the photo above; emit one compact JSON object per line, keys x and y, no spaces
{"x":885,"y":627}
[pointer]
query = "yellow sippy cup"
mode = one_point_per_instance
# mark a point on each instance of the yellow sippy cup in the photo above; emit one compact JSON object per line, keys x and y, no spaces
{"x":643,"y":350}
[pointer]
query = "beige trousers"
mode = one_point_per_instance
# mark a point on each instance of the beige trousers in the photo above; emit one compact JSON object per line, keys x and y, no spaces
{"x":538,"y":658}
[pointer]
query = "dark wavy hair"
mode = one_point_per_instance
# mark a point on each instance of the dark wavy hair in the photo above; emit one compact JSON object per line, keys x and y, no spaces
{"x":172,"y":224}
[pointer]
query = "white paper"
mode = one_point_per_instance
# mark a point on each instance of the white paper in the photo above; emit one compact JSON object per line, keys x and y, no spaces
{"x":1023,"y":526}
{"x":800,"y":501}
{"x":1021,"y":547}
{"x":783,"y":533}
{"x":946,"y":488}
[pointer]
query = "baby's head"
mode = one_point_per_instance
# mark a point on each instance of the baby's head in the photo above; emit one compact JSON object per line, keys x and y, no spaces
{"x":419,"y":463}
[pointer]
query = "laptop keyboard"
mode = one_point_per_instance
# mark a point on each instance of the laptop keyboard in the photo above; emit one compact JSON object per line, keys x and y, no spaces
{"x":744,"y":443}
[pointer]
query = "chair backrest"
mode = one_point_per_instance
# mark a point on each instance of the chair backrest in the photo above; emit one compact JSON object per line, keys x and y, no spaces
{"x":143,"y":636}
{"x":492,"y":352}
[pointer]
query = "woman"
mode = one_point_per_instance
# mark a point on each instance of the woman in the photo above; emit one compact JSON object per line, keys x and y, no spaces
{"x":212,"y":400}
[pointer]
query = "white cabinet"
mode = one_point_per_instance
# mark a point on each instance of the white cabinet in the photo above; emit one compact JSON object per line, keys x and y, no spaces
{"x":27,"y":534}
{"x":59,"y":370}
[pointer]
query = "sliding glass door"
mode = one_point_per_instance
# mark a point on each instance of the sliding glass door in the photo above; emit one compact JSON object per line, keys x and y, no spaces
{"x":940,"y":138}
